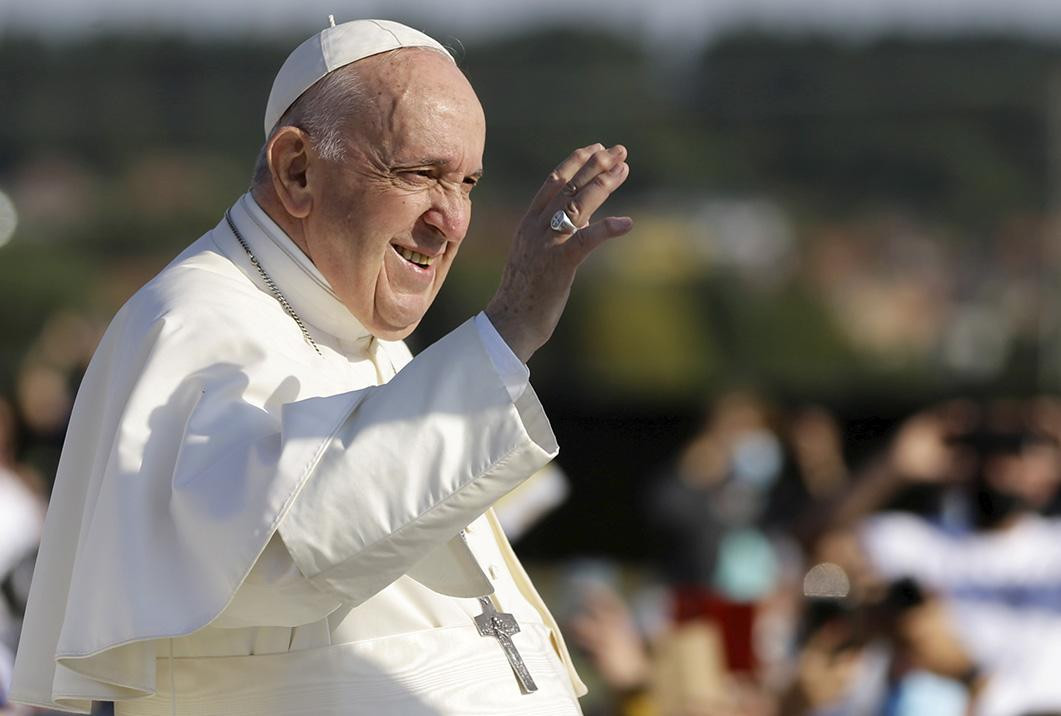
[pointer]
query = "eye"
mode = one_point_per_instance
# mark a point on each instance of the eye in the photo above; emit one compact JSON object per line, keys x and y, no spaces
{"x":418,"y":176}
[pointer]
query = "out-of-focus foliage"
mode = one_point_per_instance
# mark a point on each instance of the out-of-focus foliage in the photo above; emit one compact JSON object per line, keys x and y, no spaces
{"x":952,"y":127}
{"x":817,"y":216}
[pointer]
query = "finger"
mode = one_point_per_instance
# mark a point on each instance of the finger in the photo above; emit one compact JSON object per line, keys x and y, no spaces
{"x":589,"y":238}
{"x":602,"y":161}
{"x":582,"y":206}
{"x":564,"y":172}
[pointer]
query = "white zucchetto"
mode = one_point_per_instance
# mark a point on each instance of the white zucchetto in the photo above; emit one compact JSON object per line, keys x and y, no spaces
{"x":332,"y":48}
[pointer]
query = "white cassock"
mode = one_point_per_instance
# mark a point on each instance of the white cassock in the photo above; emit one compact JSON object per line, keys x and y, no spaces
{"x":243,"y":526}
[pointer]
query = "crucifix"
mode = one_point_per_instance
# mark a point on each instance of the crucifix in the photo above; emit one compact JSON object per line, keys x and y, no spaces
{"x":502,"y":626}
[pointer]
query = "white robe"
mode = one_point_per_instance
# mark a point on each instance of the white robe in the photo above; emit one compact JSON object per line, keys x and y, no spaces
{"x":240,"y":525}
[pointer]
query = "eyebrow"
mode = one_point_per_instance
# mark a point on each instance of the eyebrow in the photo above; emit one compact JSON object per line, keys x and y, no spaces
{"x":442,"y":163}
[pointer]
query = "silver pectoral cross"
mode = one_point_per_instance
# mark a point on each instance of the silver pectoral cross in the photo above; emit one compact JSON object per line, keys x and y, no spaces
{"x":502,"y":626}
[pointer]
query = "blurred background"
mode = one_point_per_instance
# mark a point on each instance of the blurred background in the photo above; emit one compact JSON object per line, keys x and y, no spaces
{"x":809,"y":440}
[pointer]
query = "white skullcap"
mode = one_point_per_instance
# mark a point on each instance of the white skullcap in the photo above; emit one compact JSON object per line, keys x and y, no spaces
{"x":332,"y":48}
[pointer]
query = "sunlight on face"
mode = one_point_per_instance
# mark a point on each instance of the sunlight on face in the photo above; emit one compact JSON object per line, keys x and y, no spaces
{"x":388,"y":219}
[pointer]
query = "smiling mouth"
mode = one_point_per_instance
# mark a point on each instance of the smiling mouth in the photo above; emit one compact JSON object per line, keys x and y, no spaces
{"x":413,"y":257}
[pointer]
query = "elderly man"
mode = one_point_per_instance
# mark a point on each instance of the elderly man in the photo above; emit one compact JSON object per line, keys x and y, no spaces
{"x":265,"y":505}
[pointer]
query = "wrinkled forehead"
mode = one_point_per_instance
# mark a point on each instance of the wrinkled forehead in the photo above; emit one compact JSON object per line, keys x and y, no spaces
{"x":417,"y":93}
{"x":415,"y":73}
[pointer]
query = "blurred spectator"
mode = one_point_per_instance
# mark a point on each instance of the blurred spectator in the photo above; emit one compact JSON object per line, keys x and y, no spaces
{"x":45,"y":386}
{"x":934,"y":580}
{"x":973,"y":545}
{"x":605,"y":629}
{"x":722,"y":515}
{"x":683,"y":674}
{"x":21,"y":519}
{"x":707,"y":509}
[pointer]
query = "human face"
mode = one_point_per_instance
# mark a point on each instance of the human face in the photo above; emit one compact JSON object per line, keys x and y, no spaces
{"x":388,"y":219}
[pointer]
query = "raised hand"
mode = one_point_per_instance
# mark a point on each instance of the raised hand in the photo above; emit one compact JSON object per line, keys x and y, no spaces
{"x":542,"y":262}
{"x":923,"y":449}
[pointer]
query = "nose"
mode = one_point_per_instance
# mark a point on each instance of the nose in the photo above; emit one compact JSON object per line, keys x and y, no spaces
{"x":449,"y":214}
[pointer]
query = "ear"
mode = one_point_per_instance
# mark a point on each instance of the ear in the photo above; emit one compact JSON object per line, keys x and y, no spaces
{"x":289,"y":158}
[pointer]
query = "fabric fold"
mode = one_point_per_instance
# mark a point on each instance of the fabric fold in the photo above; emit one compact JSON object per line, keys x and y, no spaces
{"x":192,"y":430}
{"x":413,"y":484}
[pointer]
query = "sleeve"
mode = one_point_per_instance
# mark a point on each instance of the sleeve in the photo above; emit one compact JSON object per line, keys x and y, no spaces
{"x":417,"y":460}
{"x":900,"y":545}
{"x":275,"y":593}
{"x":20,"y":522}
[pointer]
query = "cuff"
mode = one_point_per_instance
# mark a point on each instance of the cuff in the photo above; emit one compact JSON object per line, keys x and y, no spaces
{"x":512,"y":371}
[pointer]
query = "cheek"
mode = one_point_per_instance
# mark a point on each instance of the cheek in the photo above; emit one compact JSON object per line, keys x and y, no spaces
{"x":389,"y":218}
{"x":447,"y":263}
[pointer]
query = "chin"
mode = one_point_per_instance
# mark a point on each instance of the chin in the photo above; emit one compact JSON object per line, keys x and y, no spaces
{"x":394,"y":320}
{"x":394,"y":324}
{"x":393,"y":330}
{"x":394,"y":334}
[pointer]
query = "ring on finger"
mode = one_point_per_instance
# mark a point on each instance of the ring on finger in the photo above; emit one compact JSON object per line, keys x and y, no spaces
{"x":561,"y":223}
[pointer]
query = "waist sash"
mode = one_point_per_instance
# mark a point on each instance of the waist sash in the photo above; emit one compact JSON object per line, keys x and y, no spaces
{"x":451,"y":671}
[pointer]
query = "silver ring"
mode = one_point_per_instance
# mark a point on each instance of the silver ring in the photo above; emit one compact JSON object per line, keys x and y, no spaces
{"x":562,"y":223}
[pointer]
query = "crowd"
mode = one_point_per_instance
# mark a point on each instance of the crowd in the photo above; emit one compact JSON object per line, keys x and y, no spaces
{"x":32,"y":425}
{"x":925,"y":579}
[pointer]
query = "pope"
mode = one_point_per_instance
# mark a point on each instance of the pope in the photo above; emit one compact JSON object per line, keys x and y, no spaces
{"x":265,"y":504}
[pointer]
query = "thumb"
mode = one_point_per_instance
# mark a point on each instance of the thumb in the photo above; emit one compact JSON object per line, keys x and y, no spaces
{"x":588,"y":238}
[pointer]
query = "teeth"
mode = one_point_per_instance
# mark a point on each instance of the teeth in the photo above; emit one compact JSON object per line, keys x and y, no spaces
{"x":416,"y":258}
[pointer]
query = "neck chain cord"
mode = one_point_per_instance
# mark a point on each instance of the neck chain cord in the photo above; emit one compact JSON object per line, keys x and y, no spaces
{"x":273,"y":288}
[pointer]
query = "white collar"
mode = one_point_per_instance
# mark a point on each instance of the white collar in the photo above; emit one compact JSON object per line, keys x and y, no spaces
{"x":301,"y":283}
